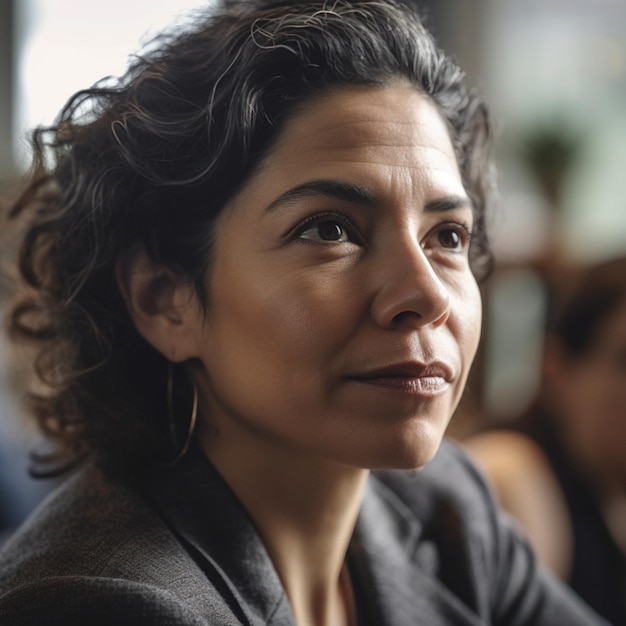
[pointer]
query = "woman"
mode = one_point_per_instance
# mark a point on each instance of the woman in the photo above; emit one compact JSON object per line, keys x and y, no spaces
{"x":262,"y":245}
{"x":562,"y":471}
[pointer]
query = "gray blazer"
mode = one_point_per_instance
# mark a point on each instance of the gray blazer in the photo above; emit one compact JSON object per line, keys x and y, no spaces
{"x":429,"y":549}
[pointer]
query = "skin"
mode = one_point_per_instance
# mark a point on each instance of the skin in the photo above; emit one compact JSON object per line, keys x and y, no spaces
{"x":296,"y":324}
{"x":342,"y":322}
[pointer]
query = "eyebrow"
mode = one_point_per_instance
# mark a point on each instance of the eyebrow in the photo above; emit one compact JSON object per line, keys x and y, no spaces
{"x":358,"y":194}
{"x":331,"y":188}
{"x":448,"y":203}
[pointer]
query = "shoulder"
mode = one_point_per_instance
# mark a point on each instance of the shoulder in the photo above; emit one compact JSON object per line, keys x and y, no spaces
{"x":98,"y":543}
{"x":79,"y":600}
{"x":78,"y":529}
{"x":467,"y":546}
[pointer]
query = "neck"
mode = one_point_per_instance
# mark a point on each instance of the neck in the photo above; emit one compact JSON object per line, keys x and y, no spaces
{"x":305,"y":509}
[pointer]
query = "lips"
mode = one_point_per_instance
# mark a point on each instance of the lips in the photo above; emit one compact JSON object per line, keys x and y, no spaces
{"x":412,"y":377}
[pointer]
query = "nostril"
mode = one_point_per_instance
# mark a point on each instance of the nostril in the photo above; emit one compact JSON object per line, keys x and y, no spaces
{"x":414,"y":318}
{"x":406,"y":316}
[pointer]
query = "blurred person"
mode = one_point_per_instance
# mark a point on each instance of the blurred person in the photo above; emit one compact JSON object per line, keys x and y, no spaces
{"x":561,"y":469}
{"x":251,"y":283}
{"x":19,"y":492}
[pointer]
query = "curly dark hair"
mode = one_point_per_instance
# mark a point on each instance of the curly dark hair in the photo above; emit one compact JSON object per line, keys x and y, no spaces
{"x":153,"y":156}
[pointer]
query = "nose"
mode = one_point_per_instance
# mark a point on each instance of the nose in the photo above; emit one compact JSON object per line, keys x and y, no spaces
{"x":410,"y":294}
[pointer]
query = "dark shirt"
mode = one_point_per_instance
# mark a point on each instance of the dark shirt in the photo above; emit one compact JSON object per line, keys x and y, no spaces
{"x":598,"y":572}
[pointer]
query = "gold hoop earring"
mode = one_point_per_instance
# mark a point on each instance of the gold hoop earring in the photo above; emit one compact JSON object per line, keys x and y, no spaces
{"x":171,"y":417}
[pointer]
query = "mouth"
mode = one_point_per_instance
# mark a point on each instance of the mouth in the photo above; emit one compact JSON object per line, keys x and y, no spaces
{"x":423,"y":379}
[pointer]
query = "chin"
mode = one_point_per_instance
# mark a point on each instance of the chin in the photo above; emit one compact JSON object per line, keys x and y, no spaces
{"x":414,"y":463}
{"x":405,"y":455}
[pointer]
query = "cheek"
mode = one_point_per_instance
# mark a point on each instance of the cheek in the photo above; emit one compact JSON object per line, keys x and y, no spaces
{"x":306,"y":305}
{"x":278,"y":322}
{"x":467,"y":314}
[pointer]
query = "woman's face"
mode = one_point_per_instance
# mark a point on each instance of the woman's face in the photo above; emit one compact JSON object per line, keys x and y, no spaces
{"x":342,"y":313}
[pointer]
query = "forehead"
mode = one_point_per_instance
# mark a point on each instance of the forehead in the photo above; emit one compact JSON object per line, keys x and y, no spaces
{"x":389,"y":142}
{"x":399,"y":105}
{"x":385,"y":132}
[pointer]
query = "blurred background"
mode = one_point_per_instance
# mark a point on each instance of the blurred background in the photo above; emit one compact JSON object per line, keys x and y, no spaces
{"x":554,"y":75}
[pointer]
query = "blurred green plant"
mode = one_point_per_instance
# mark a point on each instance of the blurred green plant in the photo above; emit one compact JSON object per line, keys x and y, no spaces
{"x":550,"y":152}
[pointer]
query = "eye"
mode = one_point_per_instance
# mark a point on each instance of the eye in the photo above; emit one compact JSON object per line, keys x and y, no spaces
{"x":451,"y":236}
{"x":326,"y":228}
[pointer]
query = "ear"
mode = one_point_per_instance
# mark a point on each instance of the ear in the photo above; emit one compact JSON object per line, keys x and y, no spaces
{"x":163,"y":305}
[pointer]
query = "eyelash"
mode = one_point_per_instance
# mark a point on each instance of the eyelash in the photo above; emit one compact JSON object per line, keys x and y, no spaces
{"x":341,"y":218}
{"x":463,"y":229}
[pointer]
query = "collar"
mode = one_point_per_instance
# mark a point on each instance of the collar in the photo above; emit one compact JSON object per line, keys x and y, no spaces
{"x":199,"y":506}
{"x":393,"y":562}
{"x":386,"y":555}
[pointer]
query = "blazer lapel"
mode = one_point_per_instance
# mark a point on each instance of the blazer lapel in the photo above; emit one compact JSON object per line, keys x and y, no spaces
{"x":202,"y":510}
{"x":386,"y":554}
